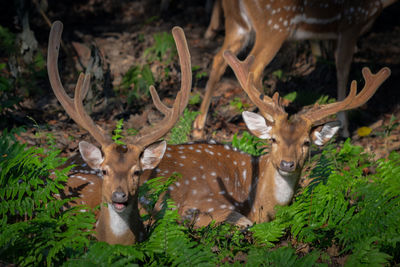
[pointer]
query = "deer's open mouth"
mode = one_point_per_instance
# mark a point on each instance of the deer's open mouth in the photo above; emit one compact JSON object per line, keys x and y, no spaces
{"x":119,"y":206}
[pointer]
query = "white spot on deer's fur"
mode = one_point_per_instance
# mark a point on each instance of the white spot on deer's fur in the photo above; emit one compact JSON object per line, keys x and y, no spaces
{"x":175,"y":162}
{"x":183,"y":157}
{"x":194,"y":162}
{"x":209,"y":199}
{"x":228,"y":156}
{"x":180,"y":152}
{"x":168,"y":148}
{"x":210,"y":210}
{"x":198,"y":150}
{"x":194,"y":178}
{"x":178,"y":184}
{"x":235,"y":162}
{"x":227,"y":147}
{"x":276,"y":26}
{"x":202,"y":167}
{"x":158,"y":170}
{"x":90,"y":190}
{"x":168,"y":155}
{"x":118,"y":221}
{"x":223,"y":206}
{"x":213,"y":174}
{"x":244,"y":175}
{"x":81,"y":177}
{"x":243,"y":163}
{"x":208,"y":151}
{"x":231,"y":207}
{"x":181,"y":147}
{"x":203,"y":176}
{"x":194,"y":191}
{"x":72,"y":176}
{"x":191,"y":148}
{"x":84,"y":165}
{"x":166,"y":171}
{"x":226,"y":179}
{"x":181,"y":164}
{"x":170,"y":188}
{"x":222,"y":192}
{"x":186,"y":182}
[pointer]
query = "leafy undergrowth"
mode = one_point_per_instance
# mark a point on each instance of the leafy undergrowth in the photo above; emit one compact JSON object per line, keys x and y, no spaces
{"x":352,"y":204}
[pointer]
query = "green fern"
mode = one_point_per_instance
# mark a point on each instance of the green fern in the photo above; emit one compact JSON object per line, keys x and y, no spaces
{"x":249,"y":144}
{"x":284,"y":256}
{"x":33,"y":227}
{"x":181,"y":131}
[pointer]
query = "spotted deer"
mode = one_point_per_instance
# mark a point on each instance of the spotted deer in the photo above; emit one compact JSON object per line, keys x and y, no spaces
{"x":222,"y":184}
{"x":119,"y":165}
{"x":272,"y":22}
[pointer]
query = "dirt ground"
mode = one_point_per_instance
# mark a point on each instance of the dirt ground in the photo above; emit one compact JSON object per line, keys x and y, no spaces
{"x":120,"y":31}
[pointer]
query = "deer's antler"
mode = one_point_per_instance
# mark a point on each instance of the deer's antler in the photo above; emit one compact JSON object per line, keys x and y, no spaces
{"x":353,"y":100}
{"x":270,"y":108}
{"x":73,"y":107}
{"x":171,"y":114}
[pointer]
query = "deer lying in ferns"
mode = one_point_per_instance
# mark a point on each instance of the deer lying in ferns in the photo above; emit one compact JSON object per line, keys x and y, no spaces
{"x":226,"y":185}
{"x":120,"y":166}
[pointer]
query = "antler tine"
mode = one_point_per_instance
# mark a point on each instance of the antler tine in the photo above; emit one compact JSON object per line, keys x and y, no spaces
{"x":353,"y":100}
{"x":74,"y":108}
{"x":171,"y":114}
{"x":268,"y":107}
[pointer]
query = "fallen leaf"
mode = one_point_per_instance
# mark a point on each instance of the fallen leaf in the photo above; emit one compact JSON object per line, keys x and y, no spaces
{"x":364,"y":131}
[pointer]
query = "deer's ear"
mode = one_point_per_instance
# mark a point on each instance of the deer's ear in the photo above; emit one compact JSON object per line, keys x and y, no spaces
{"x":152,"y":155}
{"x":91,"y":154}
{"x":257,"y":124}
{"x":323,"y":134}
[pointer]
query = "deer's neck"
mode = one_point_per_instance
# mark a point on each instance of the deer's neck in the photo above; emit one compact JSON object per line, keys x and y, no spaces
{"x":272,"y":188}
{"x":123,"y":228}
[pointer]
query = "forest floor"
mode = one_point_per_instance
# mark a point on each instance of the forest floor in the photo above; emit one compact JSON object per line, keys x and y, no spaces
{"x":119,"y":34}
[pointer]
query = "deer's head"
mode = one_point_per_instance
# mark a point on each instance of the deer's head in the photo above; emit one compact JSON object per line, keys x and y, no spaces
{"x":121,"y":165}
{"x":291,"y":137}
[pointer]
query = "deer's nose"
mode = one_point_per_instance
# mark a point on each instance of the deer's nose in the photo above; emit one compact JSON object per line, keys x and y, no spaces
{"x":119,"y":196}
{"x":287,"y":166}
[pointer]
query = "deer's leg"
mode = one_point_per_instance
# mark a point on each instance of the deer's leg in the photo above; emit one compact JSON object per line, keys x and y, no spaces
{"x":223,"y":215}
{"x":215,"y":20}
{"x":344,"y":55}
{"x":266,"y":45}
{"x":235,"y":38}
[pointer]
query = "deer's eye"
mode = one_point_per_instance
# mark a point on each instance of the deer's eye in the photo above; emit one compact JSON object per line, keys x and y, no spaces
{"x":273,"y":140}
{"x":104,"y":172}
{"x":307,"y":143}
{"x":136,"y":173}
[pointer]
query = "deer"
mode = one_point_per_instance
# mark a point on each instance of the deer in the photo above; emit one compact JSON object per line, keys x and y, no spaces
{"x":222,"y":184}
{"x":273,"y":22}
{"x":119,"y":166}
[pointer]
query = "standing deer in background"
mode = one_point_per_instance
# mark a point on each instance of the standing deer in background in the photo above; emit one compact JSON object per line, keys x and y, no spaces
{"x":274,"y":21}
{"x":119,"y":222}
{"x":222,"y":184}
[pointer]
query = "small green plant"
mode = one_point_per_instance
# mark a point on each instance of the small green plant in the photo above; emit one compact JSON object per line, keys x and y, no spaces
{"x":387,"y":129}
{"x":179,"y":134}
{"x":194,"y":99}
{"x":249,"y":144}
{"x":7,"y":41}
{"x":238,"y":104}
{"x":136,"y":82}
{"x":163,"y":49}
{"x":117,"y":136}
{"x":8,"y":98}
{"x":278,"y":74}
